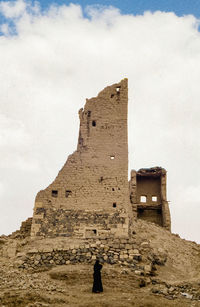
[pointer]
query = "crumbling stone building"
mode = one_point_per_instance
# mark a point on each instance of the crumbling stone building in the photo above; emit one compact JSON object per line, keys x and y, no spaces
{"x":148,"y":195}
{"x":91,"y":196}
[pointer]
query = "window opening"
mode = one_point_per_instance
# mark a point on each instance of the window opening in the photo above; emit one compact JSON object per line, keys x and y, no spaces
{"x":89,"y":113}
{"x":154,"y":198}
{"x":112,"y":95}
{"x":143,"y":199}
{"x":68,"y":193}
{"x":112,"y":157}
{"x":113,"y":189}
{"x":90,"y":233}
{"x":118,"y":89}
{"x":94,"y":123}
{"x":54,"y":193}
{"x":114,"y":205}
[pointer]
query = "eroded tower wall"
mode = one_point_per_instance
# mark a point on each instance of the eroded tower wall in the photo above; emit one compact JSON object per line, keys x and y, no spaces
{"x":90,"y":195}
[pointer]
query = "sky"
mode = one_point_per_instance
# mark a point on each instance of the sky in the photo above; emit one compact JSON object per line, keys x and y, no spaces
{"x":135,"y":7}
{"x":55,"y":55}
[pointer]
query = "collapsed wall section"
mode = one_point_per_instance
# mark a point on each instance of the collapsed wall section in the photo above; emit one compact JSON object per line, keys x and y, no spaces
{"x":90,"y":195}
{"x":148,"y":196}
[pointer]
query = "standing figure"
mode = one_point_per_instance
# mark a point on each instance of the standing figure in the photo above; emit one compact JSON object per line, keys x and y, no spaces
{"x":97,"y":284}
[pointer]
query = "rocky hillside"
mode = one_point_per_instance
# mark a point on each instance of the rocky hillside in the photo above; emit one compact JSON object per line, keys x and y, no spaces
{"x":154,"y":268}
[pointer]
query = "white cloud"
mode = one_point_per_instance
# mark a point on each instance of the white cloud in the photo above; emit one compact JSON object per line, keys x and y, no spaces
{"x":4,"y":28}
{"x":13,"y":9}
{"x":1,"y":189}
{"x":188,"y":194}
{"x":12,"y":132}
{"x":59,"y":57}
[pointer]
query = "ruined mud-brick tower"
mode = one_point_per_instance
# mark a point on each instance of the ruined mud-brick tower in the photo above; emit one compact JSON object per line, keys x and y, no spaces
{"x":90,"y":195}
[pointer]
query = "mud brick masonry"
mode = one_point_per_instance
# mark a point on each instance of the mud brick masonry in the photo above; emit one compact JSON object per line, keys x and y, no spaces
{"x":91,"y":197}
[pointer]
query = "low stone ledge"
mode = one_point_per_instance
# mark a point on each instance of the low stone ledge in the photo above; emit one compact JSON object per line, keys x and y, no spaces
{"x":119,"y":251}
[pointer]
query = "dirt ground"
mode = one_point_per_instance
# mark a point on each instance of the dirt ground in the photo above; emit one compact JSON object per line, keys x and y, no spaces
{"x":71,"y":285}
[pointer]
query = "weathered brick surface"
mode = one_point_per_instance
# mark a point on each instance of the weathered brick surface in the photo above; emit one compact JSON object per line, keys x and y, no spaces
{"x":95,"y":176}
{"x":25,"y":229}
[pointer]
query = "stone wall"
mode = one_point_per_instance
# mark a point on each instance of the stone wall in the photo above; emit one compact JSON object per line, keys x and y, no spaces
{"x":95,"y":176}
{"x":121,"y":251}
{"x":25,"y":229}
{"x":80,"y":223}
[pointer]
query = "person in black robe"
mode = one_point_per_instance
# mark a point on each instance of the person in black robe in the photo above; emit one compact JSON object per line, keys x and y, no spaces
{"x":97,"y":284}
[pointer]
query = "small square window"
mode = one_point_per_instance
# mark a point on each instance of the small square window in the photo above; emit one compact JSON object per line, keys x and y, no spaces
{"x":54,"y":193}
{"x":94,"y":123}
{"x":154,"y":198}
{"x":101,"y":179}
{"x":114,"y":205}
{"x":112,"y":157}
{"x":68,"y":193}
{"x":143,"y":199}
